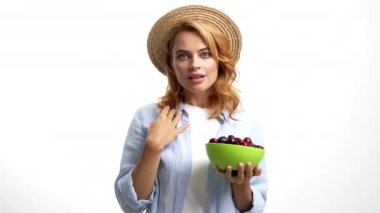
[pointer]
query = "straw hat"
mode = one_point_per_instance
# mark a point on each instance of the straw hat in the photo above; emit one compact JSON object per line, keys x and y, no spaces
{"x":160,"y":33}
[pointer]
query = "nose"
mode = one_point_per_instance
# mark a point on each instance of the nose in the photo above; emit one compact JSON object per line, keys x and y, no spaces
{"x":195,"y":67}
{"x":195,"y":63}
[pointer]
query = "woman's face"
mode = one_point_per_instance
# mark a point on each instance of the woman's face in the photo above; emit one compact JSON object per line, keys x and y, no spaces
{"x":195,"y":68}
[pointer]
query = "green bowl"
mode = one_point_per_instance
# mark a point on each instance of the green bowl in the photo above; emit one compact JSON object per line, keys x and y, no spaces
{"x":221,"y":155}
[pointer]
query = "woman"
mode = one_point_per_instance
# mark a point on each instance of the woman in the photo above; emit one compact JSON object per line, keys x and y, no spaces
{"x":164,"y":167}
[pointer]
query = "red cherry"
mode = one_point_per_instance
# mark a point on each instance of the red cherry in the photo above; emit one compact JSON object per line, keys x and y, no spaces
{"x":248,"y":141}
{"x":222,"y":139}
{"x":213,"y":140}
{"x":239,"y":141}
{"x":231,"y":139}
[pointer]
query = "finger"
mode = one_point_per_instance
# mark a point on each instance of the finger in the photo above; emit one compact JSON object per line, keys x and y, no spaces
{"x":240,"y":176}
{"x":228,"y":173}
{"x":164,"y":111}
{"x":182,"y":128}
{"x":177,"y":117}
{"x":257,"y":171}
{"x":248,"y":171}
{"x":171,"y":114}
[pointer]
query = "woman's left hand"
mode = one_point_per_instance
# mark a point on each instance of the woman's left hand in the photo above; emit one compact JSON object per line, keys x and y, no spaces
{"x":244,"y":173}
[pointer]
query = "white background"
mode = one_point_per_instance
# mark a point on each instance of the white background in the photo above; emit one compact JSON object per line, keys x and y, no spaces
{"x":73,"y":72}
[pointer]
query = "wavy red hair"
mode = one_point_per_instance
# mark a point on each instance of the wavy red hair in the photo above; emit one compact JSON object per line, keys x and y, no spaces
{"x":225,"y":95}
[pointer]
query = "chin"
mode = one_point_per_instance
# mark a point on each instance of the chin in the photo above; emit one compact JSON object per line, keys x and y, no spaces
{"x":200,"y":91}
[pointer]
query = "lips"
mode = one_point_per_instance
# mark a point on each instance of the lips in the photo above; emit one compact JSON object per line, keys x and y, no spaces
{"x":197,"y":78}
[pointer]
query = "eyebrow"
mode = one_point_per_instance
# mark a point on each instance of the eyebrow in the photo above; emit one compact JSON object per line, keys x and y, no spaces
{"x":200,"y":50}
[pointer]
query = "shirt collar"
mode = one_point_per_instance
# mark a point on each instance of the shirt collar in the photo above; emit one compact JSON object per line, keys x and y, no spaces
{"x":224,"y":114}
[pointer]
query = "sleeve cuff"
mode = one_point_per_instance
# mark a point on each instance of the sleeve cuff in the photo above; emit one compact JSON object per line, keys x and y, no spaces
{"x":129,"y":194}
{"x":142,"y":202}
{"x":258,"y":202}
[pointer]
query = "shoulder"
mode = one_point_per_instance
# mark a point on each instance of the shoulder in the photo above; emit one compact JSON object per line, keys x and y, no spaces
{"x":148,"y":108}
{"x":147,"y":113}
{"x":244,"y":115}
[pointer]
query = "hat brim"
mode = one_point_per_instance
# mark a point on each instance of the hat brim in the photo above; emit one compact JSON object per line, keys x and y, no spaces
{"x":160,"y":33}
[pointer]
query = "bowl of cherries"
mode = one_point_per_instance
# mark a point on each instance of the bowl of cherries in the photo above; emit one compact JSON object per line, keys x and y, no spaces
{"x":231,"y":150}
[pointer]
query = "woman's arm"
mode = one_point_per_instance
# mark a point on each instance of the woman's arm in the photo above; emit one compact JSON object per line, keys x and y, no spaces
{"x":240,"y":184}
{"x":161,"y":132}
{"x":242,"y":196}
{"x":145,"y":172}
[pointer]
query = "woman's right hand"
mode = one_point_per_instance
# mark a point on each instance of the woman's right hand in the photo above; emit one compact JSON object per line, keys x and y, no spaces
{"x":163,"y":130}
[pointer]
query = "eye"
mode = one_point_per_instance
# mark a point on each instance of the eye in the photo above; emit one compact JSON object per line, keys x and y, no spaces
{"x":205,"y":54}
{"x":182,"y":56}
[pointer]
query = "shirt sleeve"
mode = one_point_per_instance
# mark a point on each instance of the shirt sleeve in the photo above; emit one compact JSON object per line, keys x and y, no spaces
{"x":124,"y":190}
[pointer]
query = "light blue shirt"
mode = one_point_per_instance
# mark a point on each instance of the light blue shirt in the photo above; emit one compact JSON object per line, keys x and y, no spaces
{"x":174,"y":170}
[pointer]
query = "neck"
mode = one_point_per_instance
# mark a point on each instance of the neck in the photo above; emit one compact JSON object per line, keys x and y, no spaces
{"x":200,"y":100}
